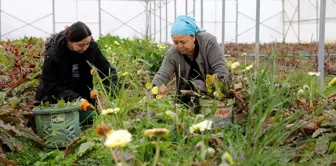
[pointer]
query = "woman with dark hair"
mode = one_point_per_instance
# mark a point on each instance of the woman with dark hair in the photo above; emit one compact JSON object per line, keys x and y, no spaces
{"x":66,"y":70}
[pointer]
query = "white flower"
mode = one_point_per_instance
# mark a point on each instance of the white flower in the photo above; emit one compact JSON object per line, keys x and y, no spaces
{"x":249,"y":67}
{"x":244,"y":54}
{"x":116,"y":43}
{"x":140,"y":72}
{"x":110,"y":111}
{"x":235,"y":65}
{"x":314,"y":73}
{"x":161,"y":46}
{"x":202,"y":126}
{"x":227,"y":55}
{"x":306,"y":87}
{"x":300,"y":92}
{"x":119,"y":138}
{"x":210,"y":151}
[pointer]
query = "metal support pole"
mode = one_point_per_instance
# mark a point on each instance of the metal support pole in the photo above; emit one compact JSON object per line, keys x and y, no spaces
{"x":236,"y":21}
{"x":147,"y":20}
{"x":150,"y":20}
{"x":160,"y":21}
{"x":202,"y":14}
{"x":194,"y":8}
{"x":223,"y":24}
{"x":154,"y":16}
{"x":175,"y":9}
{"x":76,"y":10}
{"x":317,"y":22}
{"x":99,"y":17}
{"x":53,"y":15}
{"x":283,"y":22}
{"x":186,"y":7}
{"x":0,"y":20}
{"x":321,"y":43}
{"x":257,"y":34}
{"x":166,"y":21}
{"x":299,"y":20}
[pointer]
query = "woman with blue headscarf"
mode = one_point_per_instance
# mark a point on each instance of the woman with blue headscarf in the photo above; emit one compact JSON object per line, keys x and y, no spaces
{"x":195,"y":54}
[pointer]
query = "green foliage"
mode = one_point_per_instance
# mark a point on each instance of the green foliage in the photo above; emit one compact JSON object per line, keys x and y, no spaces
{"x":273,"y":130}
{"x":14,"y":131}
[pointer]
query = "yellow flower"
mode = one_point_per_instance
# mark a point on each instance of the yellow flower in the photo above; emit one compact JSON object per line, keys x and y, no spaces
{"x":249,"y":67}
{"x":229,"y":63}
{"x":332,"y":82}
{"x":159,"y":96}
{"x":149,"y":85}
{"x":155,"y":90}
{"x":119,"y":138}
{"x":244,"y":54}
{"x":110,"y":111}
{"x":156,"y":132}
{"x":202,"y":126}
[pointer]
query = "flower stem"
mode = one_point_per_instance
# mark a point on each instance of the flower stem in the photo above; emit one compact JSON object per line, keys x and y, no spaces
{"x":311,"y":94}
{"x":100,"y":107}
{"x":114,"y":156}
{"x":245,"y":61}
{"x":157,"y":151}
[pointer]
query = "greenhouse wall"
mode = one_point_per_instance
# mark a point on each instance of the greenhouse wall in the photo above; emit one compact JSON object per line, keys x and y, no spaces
{"x":280,"y":20}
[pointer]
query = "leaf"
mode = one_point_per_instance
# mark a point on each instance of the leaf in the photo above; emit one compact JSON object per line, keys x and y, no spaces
{"x":319,"y":131}
{"x":6,"y":139}
{"x":9,"y":127}
{"x":68,"y":148}
{"x":311,"y":126}
{"x":4,"y":160}
{"x":84,"y":147}
{"x":332,"y":148}
{"x":61,"y":104}
{"x":322,"y":144}
{"x":44,"y":156}
{"x":29,"y":133}
{"x":330,"y":114}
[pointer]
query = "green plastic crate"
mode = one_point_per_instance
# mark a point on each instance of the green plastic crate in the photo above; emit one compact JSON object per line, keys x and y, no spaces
{"x":57,"y":126}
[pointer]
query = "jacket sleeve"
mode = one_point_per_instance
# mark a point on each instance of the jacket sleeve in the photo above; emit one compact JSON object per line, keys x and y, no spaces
{"x":217,"y":61}
{"x":51,"y":81}
{"x":166,"y":70}
{"x":106,"y":72}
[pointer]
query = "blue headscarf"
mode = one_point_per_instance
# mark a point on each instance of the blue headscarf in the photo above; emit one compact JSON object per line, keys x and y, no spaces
{"x":185,"y":25}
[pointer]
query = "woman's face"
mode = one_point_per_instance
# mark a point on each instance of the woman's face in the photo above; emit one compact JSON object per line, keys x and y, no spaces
{"x":80,"y":46}
{"x":184,"y":43}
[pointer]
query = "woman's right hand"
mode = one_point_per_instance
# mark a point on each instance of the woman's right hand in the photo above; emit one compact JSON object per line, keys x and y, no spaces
{"x":85,"y":105}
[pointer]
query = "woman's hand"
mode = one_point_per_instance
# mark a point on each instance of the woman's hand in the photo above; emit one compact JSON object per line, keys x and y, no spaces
{"x":85,"y":105}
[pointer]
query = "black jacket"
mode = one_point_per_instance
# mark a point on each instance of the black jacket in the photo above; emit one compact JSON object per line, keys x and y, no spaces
{"x":57,"y":80}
